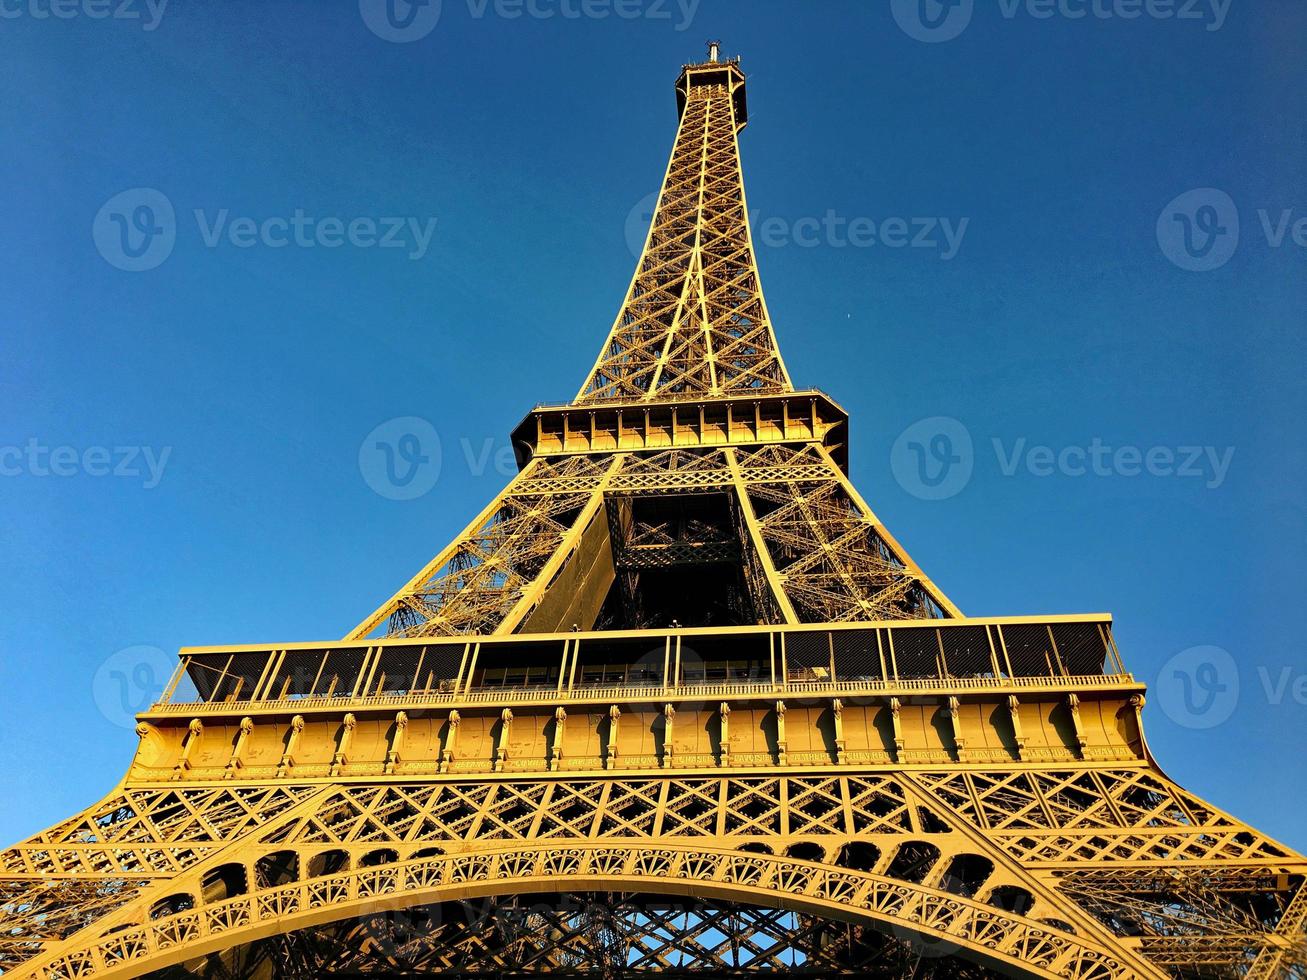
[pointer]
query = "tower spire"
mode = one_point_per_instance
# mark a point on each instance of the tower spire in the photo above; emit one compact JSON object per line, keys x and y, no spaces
{"x":694,"y":320}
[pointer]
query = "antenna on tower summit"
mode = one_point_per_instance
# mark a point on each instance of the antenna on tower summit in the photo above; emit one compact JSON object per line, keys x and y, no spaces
{"x":713,"y":48}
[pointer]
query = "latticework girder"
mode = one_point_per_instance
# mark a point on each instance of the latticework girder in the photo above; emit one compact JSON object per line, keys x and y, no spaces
{"x":694,"y":320}
{"x":815,"y":551}
{"x":599,"y":934}
{"x":951,"y":797}
{"x":875,"y":844}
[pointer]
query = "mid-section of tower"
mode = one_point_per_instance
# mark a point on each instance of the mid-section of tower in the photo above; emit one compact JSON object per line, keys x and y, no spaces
{"x":688,"y":482}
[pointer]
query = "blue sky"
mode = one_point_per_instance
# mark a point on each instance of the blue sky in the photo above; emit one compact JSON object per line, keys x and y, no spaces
{"x":232,"y":385}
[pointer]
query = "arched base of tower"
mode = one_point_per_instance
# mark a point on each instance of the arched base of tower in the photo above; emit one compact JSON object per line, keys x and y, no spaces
{"x":594,"y":934}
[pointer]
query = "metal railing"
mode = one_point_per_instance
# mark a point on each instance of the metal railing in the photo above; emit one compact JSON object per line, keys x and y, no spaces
{"x":621,"y":694}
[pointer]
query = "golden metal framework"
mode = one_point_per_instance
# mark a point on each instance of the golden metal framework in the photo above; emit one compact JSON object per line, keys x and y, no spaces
{"x":675,"y":701}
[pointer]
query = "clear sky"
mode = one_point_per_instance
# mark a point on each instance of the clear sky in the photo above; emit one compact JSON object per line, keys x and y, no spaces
{"x":1066,"y":310}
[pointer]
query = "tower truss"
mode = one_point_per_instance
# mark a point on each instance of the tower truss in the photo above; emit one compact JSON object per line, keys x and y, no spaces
{"x":675,"y":702}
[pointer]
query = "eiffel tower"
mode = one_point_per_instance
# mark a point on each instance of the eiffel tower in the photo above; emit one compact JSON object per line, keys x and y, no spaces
{"x":675,"y":701}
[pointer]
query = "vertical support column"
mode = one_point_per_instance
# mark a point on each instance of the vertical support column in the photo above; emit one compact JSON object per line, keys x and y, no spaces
{"x":1002,"y":646}
{"x":562,"y":667}
{"x":451,"y":741}
{"x":895,"y":706}
{"x":610,"y":755}
{"x":471,"y":669}
{"x":396,"y":743}
{"x":782,"y":756}
{"x":193,"y":733}
{"x":556,"y":751}
{"x":955,"y":720}
{"x":837,"y":713}
{"x":993,"y":654}
{"x":501,"y":748}
{"x":669,"y":714}
{"x":341,"y":756}
{"x":1073,"y":709}
{"x":724,"y":747}
{"x":234,"y":763}
{"x":1137,"y":706}
{"x":1014,"y":710}
{"x":416,"y":684}
{"x":1057,"y":654}
{"x":269,"y":671}
{"x":368,"y":672}
{"x":771,"y":653}
{"x":462,"y":664}
{"x":292,"y":738}
{"x":571,"y":674}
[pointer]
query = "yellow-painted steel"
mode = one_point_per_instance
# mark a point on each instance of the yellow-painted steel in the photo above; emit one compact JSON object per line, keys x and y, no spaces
{"x":831,"y":753}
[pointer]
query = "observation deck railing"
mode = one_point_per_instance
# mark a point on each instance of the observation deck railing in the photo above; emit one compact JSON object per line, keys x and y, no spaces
{"x":919,"y":657}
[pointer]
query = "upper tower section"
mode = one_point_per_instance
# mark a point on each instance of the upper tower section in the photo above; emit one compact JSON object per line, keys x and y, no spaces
{"x":715,"y":72}
{"x":694,"y":323}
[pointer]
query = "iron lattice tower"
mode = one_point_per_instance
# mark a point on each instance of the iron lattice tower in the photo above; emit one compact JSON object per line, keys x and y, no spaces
{"x":675,"y":701}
